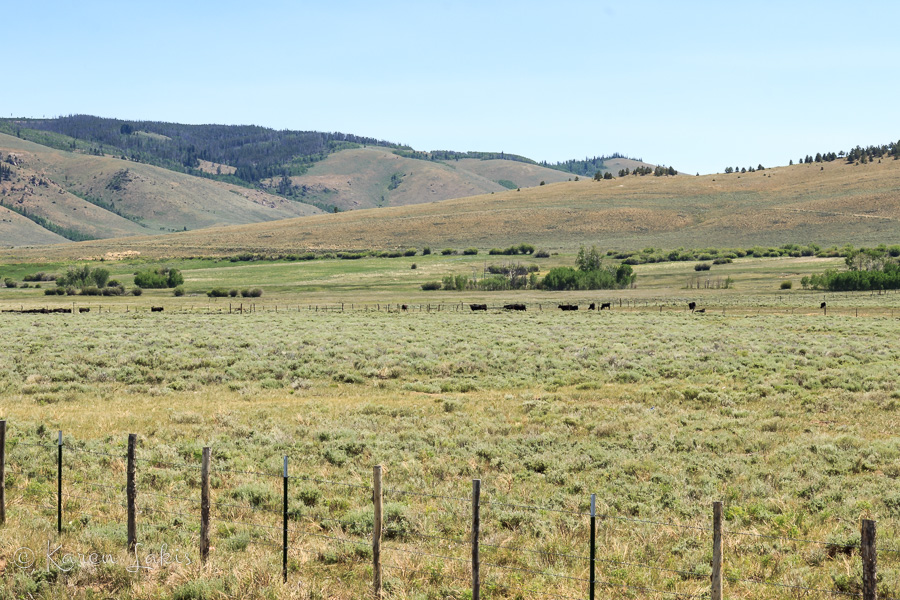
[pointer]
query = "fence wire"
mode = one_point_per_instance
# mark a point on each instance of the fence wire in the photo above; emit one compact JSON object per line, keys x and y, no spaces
{"x":297,"y":532}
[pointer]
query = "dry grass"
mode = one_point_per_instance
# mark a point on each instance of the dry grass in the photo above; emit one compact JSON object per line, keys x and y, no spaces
{"x":838,"y":205}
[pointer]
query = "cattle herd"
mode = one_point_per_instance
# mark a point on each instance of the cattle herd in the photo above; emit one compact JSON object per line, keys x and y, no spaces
{"x":566,"y":307}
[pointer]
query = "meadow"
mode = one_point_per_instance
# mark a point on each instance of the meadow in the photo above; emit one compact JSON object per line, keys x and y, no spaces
{"x":784,"y":413}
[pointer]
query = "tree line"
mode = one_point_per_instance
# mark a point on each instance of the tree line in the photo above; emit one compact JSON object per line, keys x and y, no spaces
{"x":868,"y":269}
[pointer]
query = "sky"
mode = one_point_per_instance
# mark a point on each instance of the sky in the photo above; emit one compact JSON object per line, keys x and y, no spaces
{"x":696,"y":85}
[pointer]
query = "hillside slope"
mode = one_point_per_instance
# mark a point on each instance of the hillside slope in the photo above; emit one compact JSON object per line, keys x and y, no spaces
{"x":376,"y":177}
{"x":100,"y":197}
{"x":834,"y":204}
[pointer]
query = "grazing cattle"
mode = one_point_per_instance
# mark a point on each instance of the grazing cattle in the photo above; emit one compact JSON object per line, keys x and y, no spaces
{"x":84,"y":309}
{"x":700,"y":310}
{"x":692,"y":306}
{"x":478,"y":306}
{"x":592,"y":306}
{"x":404,"y":307}
{"x":605,"y":305}
{"x":514,"y":306}
{"x":823,"y":305}
{"x":156,"y":309}
{"x":568,"y":307}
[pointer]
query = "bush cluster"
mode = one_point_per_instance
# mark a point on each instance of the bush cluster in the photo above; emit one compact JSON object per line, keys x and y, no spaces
{"x":609,"y":278}
{"x":158,"y":278}
{"x":513,"y":250}
{"x":233,"y":293}
{"x":39,"y":276}
{"x":868,"y":269}
{"x":724,"y":255}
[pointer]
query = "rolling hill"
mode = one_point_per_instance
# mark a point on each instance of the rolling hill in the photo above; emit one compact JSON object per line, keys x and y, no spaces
{"x":376,"y":177}
{"x":82,"y":196}
{"x":80,"y":178}
{"x":332,"y":171}
{"x":831,"y":204}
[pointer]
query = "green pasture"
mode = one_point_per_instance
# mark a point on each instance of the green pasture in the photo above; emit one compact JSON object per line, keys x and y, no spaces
{"x":752,"y":282}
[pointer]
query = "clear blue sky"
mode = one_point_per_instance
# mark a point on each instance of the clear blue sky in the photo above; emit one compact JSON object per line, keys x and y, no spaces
{"x":696,"y":85}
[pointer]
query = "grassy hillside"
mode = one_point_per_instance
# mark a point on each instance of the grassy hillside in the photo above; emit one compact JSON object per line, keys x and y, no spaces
{"x":16,"y":230}
{"x":101,"y":197}
{"x":834,"y":204}
{"x":376,"y":177}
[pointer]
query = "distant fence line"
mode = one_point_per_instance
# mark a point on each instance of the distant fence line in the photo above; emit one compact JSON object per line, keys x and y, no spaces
{"x":648,"y":305}
{"x":867,"y":549}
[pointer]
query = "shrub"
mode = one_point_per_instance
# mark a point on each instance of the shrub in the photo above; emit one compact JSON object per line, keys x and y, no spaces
{"x":542,"y":254}
{"x":786,"y":285}
{"x":409,"y":252}
{"x":39,"y":276}
{"x":413,"y":266}
{"x":90,"y":290}
{"x":448,"y":251}
{"x":10,"y":282}
{"x":51,"y":291}
{"x":702,"y":266}
{"x":217,"y":293}
{"x":136,"y":291}
{"x":455,"y":282}
{"x":178,"y":291}
{"x":114,"y":291}
{"x":426,"y":251}
{"x":470,"y":251}
{"x":431,"y":285}
{"x":255,"y":293}
{"x":158,"y":278}
{"x":233,"y":293}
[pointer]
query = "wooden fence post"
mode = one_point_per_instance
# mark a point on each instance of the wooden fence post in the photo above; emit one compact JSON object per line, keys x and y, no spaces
{"x":716,"y":577}
{"x":204,"y":507}
{"x":59,"y":463}
{"x":377,"y":499}
{"x":869,"y":559}
{"x":131,"y":492}
{"x":284,"y":531}
{"x":2,"y":472}
{"x":476,"y":531}
{"x":593,"y":579}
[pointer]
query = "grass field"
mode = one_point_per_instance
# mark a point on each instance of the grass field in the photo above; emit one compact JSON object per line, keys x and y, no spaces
{"x":786,"y":414}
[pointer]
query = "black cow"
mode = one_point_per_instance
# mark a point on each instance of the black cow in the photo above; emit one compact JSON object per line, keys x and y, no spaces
{"x":404,"y":307}
{"x":605,"y":305}
{"x":700,"y":310}
{"x":156,"y":309}
{"x":478,"y":306}
{"x":514,"y":306}
{"x":823,"y":305}
{"x":692,"y":306}
{"x":592,"y":306}
{"x":84,"y":309}
{"x":568,"y":307}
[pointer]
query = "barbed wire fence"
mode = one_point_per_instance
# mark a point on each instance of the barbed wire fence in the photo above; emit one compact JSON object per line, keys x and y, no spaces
{"x":460,"y":541}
